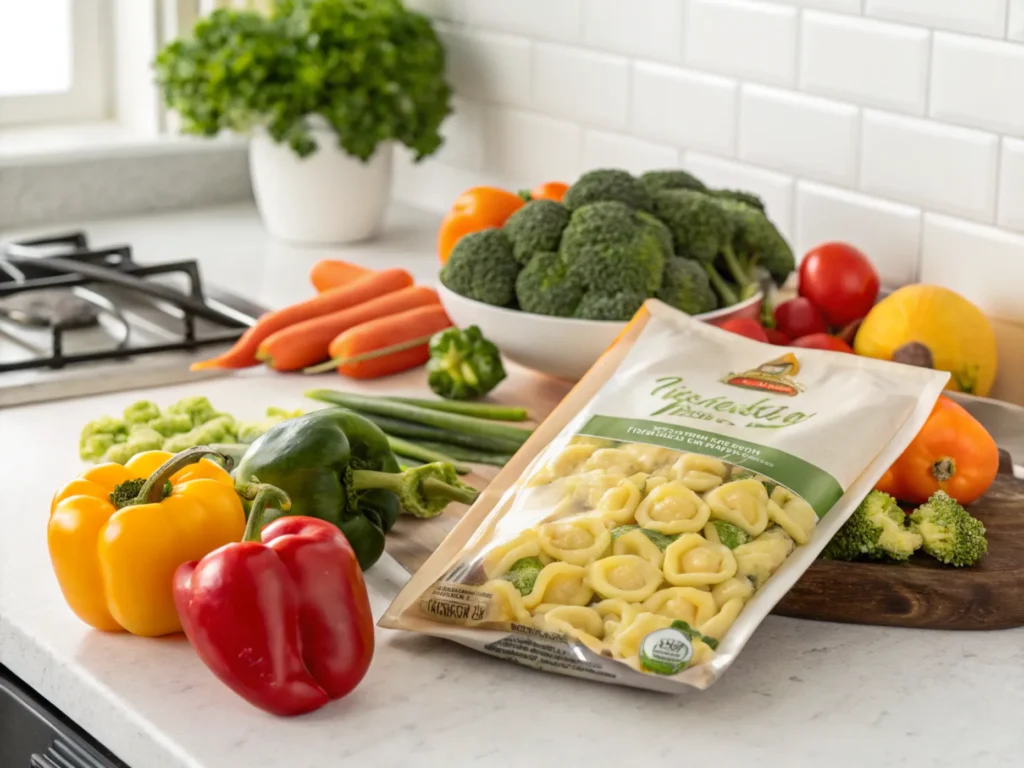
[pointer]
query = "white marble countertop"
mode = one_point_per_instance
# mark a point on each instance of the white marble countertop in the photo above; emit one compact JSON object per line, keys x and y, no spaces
{"x":803,"y":694}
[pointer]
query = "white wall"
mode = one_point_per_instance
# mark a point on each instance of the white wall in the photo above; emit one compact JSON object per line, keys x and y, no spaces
{"x":897,"y":125}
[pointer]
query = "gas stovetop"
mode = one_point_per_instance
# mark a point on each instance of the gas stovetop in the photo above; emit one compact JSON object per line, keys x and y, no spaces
{"x":78,"y":320}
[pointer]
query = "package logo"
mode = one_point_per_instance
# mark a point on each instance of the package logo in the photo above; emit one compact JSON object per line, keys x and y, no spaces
{"x":774,"y":376}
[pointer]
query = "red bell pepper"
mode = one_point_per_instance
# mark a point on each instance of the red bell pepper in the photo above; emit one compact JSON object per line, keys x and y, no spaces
{"x":282,"y":617}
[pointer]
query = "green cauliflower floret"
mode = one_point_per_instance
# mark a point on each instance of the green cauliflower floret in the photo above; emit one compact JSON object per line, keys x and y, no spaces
{"x":481,"y":267}
{"x":675,"y":178}
{"x":739,"y":196}
{"x":761,"y":244}
{"x":727,"y":533}
{"x":218,"y":430}
{"x":948,"y":531}
{"x":141,"y":438}
{"x":169,"y":424}
{"x":659,"y":539}
{"x":535,"y":228}
{"x":611,"y":249}
{"x":607,"y":185}
{"x":99,"y":435}
{"x":197,"y":408}
{"x":141,"y":412}
{"x":523,"y":574}
{"x":686,"y":287}
{"x":876,"y":530}
{"x":545,"y":286}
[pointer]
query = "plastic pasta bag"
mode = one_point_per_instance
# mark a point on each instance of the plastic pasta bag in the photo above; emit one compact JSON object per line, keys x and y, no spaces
{"x":667,"y":504}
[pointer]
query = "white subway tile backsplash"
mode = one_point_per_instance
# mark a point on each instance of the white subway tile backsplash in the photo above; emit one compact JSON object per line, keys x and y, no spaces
{"x":1015,"y":28}
{"x":866,"y":61}
{"x":978,"y":82}
{"x":982,"y":17}
{"x":529,"y":148}
{"x":804,"y":135}
{"x":581,"y":85}
{"x":488,"y":67}
{"x":436,"y":9}
{"x":614,"y":150}
{"x":940,"y":166}
{"x":888,"y":233}
{"x":983,"y":264}
{"x":684,"y":108}
{"x":1011,"y":185}
{"x":774,"y":189}
{"x":843,"y":6}
{"x":650,"y":29}
{"x":432,"y":184}
{"x":742,"y":38}
{"x":545,"y":19}
{"x":463,"y":133}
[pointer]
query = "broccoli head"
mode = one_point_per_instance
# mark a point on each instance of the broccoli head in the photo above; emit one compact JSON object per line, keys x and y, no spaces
{"x":739,"y":196}
{"x":686,"y":287}
{"x":948,"y":531}
{"x":618,"y":307}
{"x":545,"y":287}
{"x":523,"y":574}
{"x":481,"y":267}
{"x":876,"y":530}
{"x":674,"y":178}
{"x":612,"y":249}
{"x":607,"y":184}
{"x":536,"y":227}
{"x":761,"y":243}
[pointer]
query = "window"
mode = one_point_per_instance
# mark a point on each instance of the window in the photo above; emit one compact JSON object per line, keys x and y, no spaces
{"x":53,"y":61}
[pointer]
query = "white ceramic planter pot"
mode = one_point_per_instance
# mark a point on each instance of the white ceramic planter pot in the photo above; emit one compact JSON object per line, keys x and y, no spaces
{"x":327,"y":197}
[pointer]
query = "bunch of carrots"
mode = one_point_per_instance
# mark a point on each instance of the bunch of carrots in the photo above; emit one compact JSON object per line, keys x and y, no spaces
{"x":364,"y":324}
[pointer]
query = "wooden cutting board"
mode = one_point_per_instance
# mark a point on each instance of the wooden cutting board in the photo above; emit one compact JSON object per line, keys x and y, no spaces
{"x":920,"y":593}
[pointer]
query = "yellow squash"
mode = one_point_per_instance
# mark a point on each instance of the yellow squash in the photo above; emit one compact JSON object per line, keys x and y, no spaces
{"x":935,"y":327}
{"x":117,"y":533}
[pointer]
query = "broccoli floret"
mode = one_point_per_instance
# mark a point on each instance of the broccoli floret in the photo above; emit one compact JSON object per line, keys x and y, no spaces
{"x":607,"y":184}
{"x":171,"y":424}
{"x":141,"y":412}
{"x":140,"y":439}
{"x":523,"y":574}
{"x":948,"y":531}
{"x":536,"y":227}
{"x":659,"y":539}
{"x":686,"y":287}
{"x":197,"y":408}
{"x":747,"y":198}
{"x":761,"y":244}
{"x":726,"y":533}
{"x":676,"y":178}
{"x":611,"y":249}
{"x":655,"y":228}
{"x":99,"y":435}
{"x":876,"y":530}
{"x":217,"y":430}
{"x":481,"y":267}
{"x":616,"y":307}
{"x":545,"y":286}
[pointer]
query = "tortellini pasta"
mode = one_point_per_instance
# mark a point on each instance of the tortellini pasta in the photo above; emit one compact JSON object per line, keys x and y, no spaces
{"x":633,"y":539}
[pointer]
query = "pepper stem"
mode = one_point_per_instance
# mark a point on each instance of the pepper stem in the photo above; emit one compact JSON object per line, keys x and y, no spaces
{"x":153,"y":489}
{"x":265,"y":495}
{"x":944,"y":468}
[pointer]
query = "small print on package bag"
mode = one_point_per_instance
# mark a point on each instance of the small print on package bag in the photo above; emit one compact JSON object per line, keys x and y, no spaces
{"x":667,"y":504}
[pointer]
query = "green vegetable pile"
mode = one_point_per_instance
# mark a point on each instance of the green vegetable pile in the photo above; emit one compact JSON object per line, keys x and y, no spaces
{"x":371,"y":69}
{"x":617,"y":240}
{"x":187,"y":423}
{"x":880,"y":530}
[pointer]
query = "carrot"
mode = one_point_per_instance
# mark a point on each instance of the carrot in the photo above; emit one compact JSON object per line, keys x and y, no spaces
{"x":303,"y":344}
{"x":387,"y":345}
{"x":243,"y":353}
{"x":331,"y":273}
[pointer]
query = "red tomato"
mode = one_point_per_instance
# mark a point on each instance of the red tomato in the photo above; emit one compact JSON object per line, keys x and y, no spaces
{"x":840,"y":281}
{"x":777,"y":337}
{"x":799,"y":317}
{"x":822,"y":341}
{"x":745,"y":327}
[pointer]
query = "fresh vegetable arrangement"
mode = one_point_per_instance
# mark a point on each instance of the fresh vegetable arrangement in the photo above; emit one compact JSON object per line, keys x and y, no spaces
{"x":614,"y":240}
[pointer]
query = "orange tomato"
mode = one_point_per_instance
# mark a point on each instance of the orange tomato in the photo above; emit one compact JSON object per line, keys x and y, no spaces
{"x":475,"y":209}
{"x":952,"y":453}
{"x":549,"y":190}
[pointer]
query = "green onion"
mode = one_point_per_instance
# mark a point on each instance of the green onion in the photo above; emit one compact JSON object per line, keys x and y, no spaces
{"x":487,"y":411}
{"x":413,"y":451}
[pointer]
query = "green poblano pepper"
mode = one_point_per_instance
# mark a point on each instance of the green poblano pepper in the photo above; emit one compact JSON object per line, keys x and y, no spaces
{"x":463,"y":364}
{"x":337,"y":466}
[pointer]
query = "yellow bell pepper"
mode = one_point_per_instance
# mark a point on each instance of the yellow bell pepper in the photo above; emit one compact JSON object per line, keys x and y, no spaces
{"x":117,"y":533}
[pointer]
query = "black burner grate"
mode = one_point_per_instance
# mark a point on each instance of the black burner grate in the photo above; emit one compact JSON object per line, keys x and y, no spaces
{"x":66,"y":262}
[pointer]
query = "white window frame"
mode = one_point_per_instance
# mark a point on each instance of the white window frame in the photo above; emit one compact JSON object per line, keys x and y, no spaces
{"x":88,"y":99}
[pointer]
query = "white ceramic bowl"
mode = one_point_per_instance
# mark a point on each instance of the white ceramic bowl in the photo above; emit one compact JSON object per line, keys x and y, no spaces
{"x":558,"y":346}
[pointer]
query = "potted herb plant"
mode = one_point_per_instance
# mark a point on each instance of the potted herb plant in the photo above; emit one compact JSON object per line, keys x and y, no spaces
{"x":325,"y":88}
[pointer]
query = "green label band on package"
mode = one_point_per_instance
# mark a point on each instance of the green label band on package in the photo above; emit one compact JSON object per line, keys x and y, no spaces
{"x":816,"y":486}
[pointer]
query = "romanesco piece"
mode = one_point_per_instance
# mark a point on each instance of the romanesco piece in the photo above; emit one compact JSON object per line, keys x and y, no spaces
{"x":948,"y":531}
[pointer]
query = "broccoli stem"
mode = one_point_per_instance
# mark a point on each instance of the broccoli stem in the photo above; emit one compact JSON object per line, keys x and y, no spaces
{"x":739,"y":274}
{"x":414,"y":451}
{"x":722,"y":288}
{"x":422,"y":432}
{"x":422,"y":491}
{"x":487,"y":411}
{"x":369,"y":479}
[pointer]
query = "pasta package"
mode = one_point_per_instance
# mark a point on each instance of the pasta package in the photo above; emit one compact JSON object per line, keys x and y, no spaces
{"x":667,"y":504}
